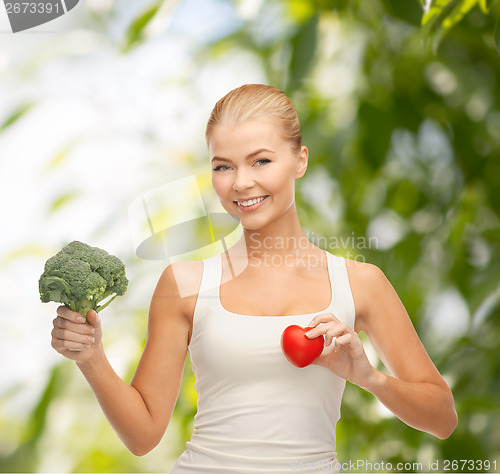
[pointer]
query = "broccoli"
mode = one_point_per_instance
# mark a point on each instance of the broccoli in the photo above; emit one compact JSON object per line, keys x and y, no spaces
{"x":81,"y":276}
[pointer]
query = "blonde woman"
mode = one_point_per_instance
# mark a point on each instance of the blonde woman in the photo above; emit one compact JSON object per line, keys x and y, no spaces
{"x":256,"y":411}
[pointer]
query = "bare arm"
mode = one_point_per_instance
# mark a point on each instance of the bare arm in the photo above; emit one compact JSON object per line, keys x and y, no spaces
{"x":139,"y":412}
{"x":415,"y":391}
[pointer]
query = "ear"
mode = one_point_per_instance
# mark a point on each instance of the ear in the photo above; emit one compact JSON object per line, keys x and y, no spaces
{"x":302,"y":162}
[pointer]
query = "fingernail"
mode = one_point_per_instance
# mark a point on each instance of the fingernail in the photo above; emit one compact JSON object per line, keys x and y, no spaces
{"x":308,"y":333}
{"x":91,"y":339}
{"x":80,"y":319}
{"x":92,"y":331}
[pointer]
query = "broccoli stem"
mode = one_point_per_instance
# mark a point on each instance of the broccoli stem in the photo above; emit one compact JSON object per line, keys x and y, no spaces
{"x":83,"y":306}
{"x":71,"y":305}
{"x":105,"y":304}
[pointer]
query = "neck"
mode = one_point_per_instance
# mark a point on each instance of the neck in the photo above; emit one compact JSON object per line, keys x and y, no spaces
{"x":283,"y":237}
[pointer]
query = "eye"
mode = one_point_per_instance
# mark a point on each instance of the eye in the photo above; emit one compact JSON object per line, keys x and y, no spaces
{"x":217,"y":168}
{"x":265,"y":160}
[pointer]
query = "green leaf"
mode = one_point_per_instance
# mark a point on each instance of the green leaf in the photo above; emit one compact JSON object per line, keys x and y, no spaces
{"x":15,"y":116}
{"x":464,"y":7}
{"x":303,"y":46}
{"x":442,"y":16}
{"x":62,"y":155}
{"x":39,"y":414}
{"x":300,"y":10}
{"x":26,"y":251}
{"x":57,"y":159}
{"x":62,"y":200}
{"x":484,"y":6}
{"x":436,"y":9}
{"x":497,"y":35}
{"x":135,"y":31}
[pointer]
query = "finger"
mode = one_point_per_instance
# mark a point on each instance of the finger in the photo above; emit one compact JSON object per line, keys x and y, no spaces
{"x":332,"y":328}
{"x":323,"y":318}
{"x":66,"y":313}
{"x":93,"y":319}
{"x":79,"y":328}
{"x":330,"y":339}
{"x":347,"y":341}
{"x":316,"y":331}
{"x":62,"y":345}
{"x":70,"y":336}
{"x":327,"y":348}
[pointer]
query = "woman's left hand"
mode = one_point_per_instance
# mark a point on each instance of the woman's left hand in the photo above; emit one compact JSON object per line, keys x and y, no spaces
{"x":346,"y":357}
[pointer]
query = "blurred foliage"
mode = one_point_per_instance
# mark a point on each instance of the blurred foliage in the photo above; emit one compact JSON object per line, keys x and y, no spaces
{"x":135,"y":30}
{"x":440,"y":15}
{"x":407,"y":139}
{"x":16,"y":115}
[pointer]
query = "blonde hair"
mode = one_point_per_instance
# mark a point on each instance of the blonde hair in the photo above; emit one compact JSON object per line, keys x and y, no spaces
{"x":253,"y":101}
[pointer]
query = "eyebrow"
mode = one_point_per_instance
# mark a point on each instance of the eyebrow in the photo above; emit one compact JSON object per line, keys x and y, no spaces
{"x":250,"y":156}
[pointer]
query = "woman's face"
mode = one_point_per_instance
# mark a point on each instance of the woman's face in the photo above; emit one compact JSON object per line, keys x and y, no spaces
{"x":251,"y":160}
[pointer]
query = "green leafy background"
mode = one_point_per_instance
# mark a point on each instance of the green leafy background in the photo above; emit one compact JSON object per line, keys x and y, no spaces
{"x":400,"y":107}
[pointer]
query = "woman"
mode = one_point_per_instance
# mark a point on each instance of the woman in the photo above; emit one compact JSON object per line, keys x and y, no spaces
{"x":256,"y":411}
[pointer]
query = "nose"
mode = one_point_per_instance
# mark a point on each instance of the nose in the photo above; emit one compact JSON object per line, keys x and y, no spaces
{"x":243,"y":180}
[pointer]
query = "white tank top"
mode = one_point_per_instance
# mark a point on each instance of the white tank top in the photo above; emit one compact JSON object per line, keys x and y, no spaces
{"x":256,"y":412}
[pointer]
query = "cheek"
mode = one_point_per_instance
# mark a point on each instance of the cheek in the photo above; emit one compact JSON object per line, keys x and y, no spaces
{"x":221,"y":185}
{"x":282,"y":180}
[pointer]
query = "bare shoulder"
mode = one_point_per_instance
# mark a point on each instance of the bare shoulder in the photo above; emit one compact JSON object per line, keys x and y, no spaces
{"x":363,"y":271}
{"x":180,"y":279}
{"x":178,"y":288}
{"x":368,"y":283}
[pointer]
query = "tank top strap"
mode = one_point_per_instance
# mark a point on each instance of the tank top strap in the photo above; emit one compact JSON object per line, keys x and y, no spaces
{"x":343,"y":300}
{"x":209,"y":287}
{"x":205,"y":301}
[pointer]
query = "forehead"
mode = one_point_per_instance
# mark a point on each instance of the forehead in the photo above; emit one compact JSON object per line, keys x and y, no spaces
{"x":244,"y":138}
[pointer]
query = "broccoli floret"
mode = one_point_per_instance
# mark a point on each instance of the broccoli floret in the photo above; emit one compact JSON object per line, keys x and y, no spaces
{"x":81,"y":276}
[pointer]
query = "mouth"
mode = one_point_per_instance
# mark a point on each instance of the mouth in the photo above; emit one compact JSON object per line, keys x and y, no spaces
{"x":251,"y":204}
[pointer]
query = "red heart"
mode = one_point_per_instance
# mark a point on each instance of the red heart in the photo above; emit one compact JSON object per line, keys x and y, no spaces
{"x":298,"y":348}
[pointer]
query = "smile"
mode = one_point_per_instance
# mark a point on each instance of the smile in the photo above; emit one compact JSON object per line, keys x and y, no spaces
{"x":251,"y":204}
{"x":252,"y":201}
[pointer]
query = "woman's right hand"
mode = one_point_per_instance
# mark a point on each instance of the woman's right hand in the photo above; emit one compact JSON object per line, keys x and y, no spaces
{"x":74,"y":338}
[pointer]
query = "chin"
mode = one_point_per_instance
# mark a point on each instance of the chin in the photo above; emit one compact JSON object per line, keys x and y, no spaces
{"x":253,"y":225}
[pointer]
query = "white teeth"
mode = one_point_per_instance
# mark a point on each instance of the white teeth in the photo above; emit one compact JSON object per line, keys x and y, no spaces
{"x":252,"y":201}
